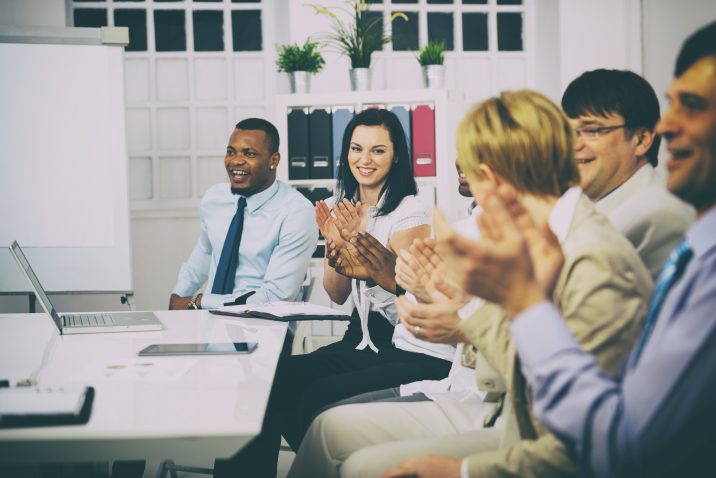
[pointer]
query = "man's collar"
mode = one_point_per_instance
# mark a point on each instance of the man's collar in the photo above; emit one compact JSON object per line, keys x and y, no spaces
{"x":257,"y":200}
{"x":560,"y":218}
{"x":638,"y":181}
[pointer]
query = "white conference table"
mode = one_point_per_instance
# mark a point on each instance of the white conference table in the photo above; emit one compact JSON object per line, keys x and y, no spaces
{"x":188,"y":408}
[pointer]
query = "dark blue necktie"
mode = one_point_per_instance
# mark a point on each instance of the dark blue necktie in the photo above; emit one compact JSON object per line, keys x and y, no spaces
{"x":670,"y":272}
{"x":229,"y":261}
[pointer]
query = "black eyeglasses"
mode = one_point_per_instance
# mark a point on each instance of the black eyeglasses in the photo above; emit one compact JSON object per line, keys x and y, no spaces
{"x":595,"y":131}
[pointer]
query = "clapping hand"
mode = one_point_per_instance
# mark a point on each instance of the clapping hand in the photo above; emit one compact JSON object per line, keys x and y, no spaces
{"x":327,"y":225}
{"x":378,"y":260}
{"x":415,"y":266}
{"x":515,"y":264}
{"x":438,"y":321}
{"x":344,"y":261}
{"x":411,"y":276}
{"x":426,"y":466}
{"x":349,"y":218}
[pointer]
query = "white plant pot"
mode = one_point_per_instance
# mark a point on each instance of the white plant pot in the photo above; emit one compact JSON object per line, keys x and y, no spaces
{"x":434,"y":76}
{"x":299,"y":81}
{"x":360,"y":79}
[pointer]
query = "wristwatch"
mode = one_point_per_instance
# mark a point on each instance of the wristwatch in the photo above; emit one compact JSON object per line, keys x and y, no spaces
{"x":192,"y":303}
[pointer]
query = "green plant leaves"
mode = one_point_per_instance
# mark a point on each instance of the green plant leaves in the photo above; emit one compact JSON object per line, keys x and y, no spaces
{"x":358,"y":38}
{"x":300,"y":58}
{"x":432,"y":54}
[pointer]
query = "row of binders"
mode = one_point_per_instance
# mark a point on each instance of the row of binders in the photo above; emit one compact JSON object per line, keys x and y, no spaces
{"x":315,"y":138}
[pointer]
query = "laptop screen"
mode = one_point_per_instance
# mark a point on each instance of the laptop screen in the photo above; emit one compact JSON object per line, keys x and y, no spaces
{"x":35,"y":283}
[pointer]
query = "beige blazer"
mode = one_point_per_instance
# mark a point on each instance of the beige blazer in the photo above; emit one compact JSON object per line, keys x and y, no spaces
{"x":652,"y":218}
{"x":603,"y":293}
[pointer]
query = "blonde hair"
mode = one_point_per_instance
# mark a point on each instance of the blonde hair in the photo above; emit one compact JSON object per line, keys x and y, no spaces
{"x":524,"y":138}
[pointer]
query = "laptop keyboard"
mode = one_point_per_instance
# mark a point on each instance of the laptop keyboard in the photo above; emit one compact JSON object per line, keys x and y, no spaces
{"x":87,"y":320}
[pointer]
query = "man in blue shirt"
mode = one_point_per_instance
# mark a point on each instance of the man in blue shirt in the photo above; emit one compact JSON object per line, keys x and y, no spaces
{"x":272,"y":231}
{"x":658,"y":419}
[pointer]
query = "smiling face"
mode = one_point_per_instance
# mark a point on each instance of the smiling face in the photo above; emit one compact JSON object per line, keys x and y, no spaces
{"x":249,"y":163}
{"x":370,"y":156}
{"x":689,"y":127}
{"x":608,"y":160}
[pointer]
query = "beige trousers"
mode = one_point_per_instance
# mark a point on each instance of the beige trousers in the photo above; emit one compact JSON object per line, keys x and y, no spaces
{"x":363,"y":440}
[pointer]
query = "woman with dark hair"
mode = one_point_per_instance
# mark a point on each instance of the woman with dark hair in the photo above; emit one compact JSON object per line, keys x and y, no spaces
{"x":375,"y":201}
{"x":399,"y":181}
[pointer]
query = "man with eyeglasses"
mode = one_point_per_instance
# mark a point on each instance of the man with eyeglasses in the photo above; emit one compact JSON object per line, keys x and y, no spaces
{"x":614,"y":114}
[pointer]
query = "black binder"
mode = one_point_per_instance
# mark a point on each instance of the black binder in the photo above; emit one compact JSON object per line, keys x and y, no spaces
{"x":341,"y":116}
{"x":298,"y":147}
{"x":307,"y":193}
{"x":321,"y":162}
{"x":320,"y":194}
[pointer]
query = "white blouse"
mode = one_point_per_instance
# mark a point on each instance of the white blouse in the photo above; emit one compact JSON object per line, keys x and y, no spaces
{"x":411,"y":212}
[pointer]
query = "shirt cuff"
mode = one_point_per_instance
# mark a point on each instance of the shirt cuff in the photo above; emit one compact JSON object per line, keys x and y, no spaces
{"x":467,"y":310}
{"x":213,"y":301}
{"x":464,"y":473}
{"x":540,"y":332}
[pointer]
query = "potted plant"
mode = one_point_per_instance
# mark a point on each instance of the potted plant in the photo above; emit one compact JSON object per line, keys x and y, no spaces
{"x":431,"y":57}
{"x":356,"y":38}
{"x":300,"y":62}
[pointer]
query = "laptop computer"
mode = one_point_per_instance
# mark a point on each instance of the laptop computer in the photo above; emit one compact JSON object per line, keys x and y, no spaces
{"x":84,"y":323}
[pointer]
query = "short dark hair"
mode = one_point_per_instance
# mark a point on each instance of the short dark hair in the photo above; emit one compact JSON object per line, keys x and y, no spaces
{"x":265,"y":126}
{"x":603,"y":92}
{"x":700,"y":44}
{"x":400,"y":182}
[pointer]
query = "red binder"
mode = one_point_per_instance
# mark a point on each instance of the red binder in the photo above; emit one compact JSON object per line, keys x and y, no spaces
{"x":424,"y":140}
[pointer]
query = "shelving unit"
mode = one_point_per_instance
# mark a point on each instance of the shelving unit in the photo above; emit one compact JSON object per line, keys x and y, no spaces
{"x":449,"y":109}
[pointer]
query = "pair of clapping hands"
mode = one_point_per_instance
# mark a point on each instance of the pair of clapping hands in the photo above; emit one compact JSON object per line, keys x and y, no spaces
{"x":350,"y":250}
{"x":515,"y":264}
{"x":422,"y":271}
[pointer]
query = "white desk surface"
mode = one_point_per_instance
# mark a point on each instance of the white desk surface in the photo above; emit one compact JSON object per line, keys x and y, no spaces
{"x":189,"y":408}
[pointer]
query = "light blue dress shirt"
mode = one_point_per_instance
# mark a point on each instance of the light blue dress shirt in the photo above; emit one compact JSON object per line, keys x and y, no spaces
{"x":278,"y":239}
{"x":660,"y":417}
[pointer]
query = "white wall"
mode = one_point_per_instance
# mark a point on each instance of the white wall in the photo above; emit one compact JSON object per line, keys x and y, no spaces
{"x":598,"y":34}
{"x":547,"y":39}
{"x":32,"y":12}
{"x":666,"y":25}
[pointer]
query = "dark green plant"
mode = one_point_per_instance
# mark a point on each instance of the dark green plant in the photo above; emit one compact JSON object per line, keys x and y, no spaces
{"x":360,"y":37}
{"x":432,"y":54}
{"x":300,"y":58}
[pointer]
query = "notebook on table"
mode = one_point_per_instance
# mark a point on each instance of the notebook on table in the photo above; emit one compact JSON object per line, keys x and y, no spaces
{"x":35,"y":406}
{"x":282,"y":311}
{"x":84,"y":323}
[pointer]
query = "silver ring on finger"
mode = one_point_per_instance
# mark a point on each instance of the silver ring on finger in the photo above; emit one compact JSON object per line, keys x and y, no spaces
{"x":417,"y":331}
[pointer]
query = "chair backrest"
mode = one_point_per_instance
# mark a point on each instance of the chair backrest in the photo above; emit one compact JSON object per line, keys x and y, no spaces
{"x":306,"y":289}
